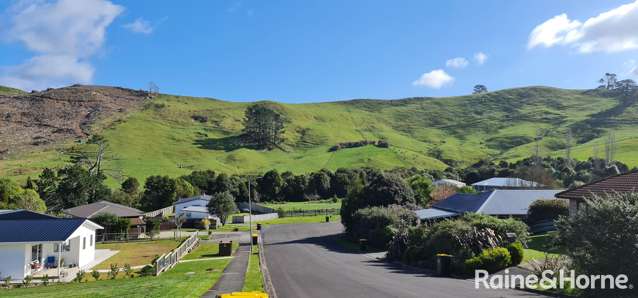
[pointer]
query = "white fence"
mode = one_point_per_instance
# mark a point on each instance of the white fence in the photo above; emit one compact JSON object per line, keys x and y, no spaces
{"x":168,"y":260}
{"x":166,"y":211}
{"x":256,"y":218}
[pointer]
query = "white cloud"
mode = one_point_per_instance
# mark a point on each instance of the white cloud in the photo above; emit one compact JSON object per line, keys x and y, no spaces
{"x":632,"y":67}
{"x":458,"y":62}
{"x":480,"y":58}
{"x":610,"y":31}
{"x":63,"y":35}
{"x":140,"y":26}
{"x":434,"y":79}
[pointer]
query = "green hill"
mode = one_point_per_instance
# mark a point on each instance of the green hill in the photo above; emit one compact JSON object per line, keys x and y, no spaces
{"x":162,"y":137}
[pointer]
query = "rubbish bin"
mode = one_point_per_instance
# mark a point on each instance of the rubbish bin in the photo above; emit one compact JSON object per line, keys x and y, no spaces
{"x":255,"y":239}
{"x":225,"y":248}
{"x":258,"y":227}
{"x":327,"y":218}
{"x":363,"y":244}
{"x":443,"y":265}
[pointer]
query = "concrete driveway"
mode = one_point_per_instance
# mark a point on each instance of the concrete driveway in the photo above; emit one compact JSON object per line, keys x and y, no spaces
{"x":306,"y":261}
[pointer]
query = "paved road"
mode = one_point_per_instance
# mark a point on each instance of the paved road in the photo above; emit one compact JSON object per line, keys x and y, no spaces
{"x":305,"y":261}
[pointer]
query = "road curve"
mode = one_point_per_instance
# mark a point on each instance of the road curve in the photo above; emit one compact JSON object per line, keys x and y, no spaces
{"x":306,"y":261}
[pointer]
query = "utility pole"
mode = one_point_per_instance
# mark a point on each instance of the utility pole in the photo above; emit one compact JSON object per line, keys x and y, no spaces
{"x":568,"y":147}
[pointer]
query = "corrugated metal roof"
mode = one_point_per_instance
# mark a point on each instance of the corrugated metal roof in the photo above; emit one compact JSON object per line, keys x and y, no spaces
{"x":506,"y":182}
{"x":200,"y":197}
{"x":93,"y":209}
{"x":38,"y":230}
{"x":514,"y":201}
{"x":451,"y":182}
{"x":463,"y":202}
{"x":622,"y":183}
{"x":196,"y":209}
{"x":433,"y":213}
{"x":22,"y":215}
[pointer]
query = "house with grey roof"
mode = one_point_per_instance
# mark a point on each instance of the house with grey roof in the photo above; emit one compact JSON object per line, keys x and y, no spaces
{"x":31,"y":242}
{"x":135,"y":216}
{"x":194,"y":209}
{"x":498,"y":202}
{"x":504,"y":183}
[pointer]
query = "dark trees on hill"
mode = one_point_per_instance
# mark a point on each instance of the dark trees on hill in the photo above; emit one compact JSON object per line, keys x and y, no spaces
{"x":478,"y":89}
{"x":159,"y":192}
{"x":263,"y":127}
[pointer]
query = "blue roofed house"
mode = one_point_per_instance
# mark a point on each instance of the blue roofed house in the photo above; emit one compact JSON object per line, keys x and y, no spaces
{"x":194,"y":209}
{"x":31,"y":242}
{"x":498,"y":202}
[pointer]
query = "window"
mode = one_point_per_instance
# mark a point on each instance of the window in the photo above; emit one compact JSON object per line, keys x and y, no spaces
{"x":91,"y":241}
{"x":83,"y":242}
{"x":65,"y":247}
{"x":36,"y":252}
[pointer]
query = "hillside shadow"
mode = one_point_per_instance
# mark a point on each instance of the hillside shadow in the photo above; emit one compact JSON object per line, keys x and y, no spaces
{"x":229,"y":143}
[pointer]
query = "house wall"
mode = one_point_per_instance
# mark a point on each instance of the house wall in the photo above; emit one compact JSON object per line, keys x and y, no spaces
{"x":14,"y":260}
{"x":81,"y":254}
{"x":573,"y":207}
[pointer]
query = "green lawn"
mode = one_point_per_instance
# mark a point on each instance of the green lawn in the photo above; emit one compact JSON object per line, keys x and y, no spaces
{"x":206,"y":250}
{"x":281,"y":221}
{"x":311,"y":205}
{"x":190,"y":279}
{"x":539,"y":245}
{"x":253,"y":281}
{"x":136,"y":253}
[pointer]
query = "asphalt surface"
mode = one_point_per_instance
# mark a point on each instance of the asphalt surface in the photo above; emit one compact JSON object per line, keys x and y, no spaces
{"x":306,"y":261}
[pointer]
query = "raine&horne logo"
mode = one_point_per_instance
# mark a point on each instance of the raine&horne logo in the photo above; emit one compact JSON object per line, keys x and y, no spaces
{"x":550,"y":280}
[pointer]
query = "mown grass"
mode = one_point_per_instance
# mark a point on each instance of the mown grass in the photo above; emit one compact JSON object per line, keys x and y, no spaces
{"x":538,"y":246}
{"x":311,"y":205}
{"x":190,"y":279}
{"x":164,"y":139}
{"x":206,"y":250}
{"x":136,"y":253}
{"x":253,"y":280}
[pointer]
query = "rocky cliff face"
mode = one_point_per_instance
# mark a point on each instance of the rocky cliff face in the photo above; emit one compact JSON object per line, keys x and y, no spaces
{"x":35,"y":119}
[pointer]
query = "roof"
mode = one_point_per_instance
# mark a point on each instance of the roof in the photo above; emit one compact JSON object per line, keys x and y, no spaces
{"x":514,"y":201}
{"x":452,"y":182}
{"x":101,"y":207}
{"x":200,"y":197}
{"x":195,"y":209}
{"x":495,"y":202}
{"x":463,"y":202}
{"x":40,"y":230}
{"x":433,"y":213}
{"x":22,"y":214}
{"x":622,"y":183}
{"x":506,"y":182}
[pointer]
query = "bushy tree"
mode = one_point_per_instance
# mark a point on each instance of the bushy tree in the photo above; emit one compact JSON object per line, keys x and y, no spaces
{"x":47,"y":185}
{"x":547,"y":210}
{"x":598,"y":235}
{"x":422,"y":187}
{"x":319,"y":184}
{"x":295,"y":187}
{"x":78,"y":187}
{"x":270,"y":186}
{"x":130,"y":186}
{"x":183,"y":189}
{"x":159,"y":192}
{"x":222,"y":204}
{"x":263,"y":126}
{"x":13,"y":196}
{"x":205,"y":181}
{"x":378,"y":224}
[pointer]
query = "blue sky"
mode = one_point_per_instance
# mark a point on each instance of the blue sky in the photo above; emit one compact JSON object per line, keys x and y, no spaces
{"x":302,"y":51}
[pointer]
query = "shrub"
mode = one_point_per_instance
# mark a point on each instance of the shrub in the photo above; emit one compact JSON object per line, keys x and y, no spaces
{"x":45,"y":280}
{"x":7,"y":282}
{"x":114,"y":270}
{"x":376,"y":223}
{"x":500,"y":226}
{"x":491,"y":259}
{"x":516,"y":251}
{"x":147,"y":270}
{"x":95,"y":274}
{"x":26,"y":282}
{"x":79,"y":276}
{"x":547,"y":210}
{"x":597,"y":236}
{"x":128,"y":270}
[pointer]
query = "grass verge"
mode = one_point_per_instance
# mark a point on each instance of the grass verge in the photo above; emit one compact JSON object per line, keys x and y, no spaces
{"x":190,"y":279}
{"x":254,"y":280}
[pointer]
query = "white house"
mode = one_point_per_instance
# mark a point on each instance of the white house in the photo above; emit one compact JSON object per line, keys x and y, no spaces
{"x":33,"y":242}
{"x":200,"y":201}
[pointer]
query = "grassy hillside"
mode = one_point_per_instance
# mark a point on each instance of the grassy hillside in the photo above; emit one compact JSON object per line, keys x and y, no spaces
{"x":163,"y":138}
{"x":9,"y":91}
